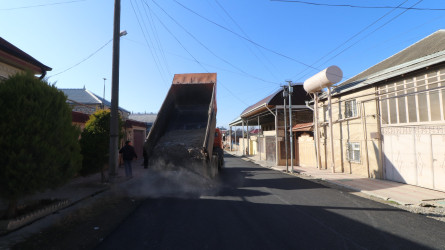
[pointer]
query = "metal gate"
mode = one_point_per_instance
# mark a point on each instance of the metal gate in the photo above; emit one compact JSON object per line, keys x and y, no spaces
{"x":138,"y":143}
{"x":415,"y":155}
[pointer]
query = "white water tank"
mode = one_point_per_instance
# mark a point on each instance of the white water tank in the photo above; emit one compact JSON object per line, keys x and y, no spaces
{"x":325,"y":78}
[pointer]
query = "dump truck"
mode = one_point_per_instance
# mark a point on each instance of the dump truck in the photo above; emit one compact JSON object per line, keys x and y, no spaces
{"x":184,"y":134}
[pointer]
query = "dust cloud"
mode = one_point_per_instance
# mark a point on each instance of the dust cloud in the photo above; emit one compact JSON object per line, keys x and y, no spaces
{"x":165,"y":180}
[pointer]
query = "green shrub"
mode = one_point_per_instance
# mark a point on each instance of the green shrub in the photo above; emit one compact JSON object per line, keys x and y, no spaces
{"x":95,"y":142}
{"x":39,"y":145}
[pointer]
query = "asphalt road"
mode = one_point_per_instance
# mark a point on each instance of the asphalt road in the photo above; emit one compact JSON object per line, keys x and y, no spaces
{"x":251,"y":207}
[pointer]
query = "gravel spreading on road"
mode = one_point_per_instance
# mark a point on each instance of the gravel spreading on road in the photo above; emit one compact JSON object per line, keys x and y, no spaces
{"x":434,"y":212}
{"x":179,"y":147}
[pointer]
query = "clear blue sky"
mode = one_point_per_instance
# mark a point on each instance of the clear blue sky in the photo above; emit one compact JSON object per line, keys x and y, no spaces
{"x":253,"y":45}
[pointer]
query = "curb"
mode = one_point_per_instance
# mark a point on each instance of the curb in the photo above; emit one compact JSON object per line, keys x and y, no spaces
{"x":13,"y":224}
{"x":8,"y":226}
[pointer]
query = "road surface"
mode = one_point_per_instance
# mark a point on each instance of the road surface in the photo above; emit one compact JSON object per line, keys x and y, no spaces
{"x":251,"y":207}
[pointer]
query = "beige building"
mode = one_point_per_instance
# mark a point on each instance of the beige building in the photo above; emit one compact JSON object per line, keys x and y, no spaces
{"x":13,"y":60}
{"x":389,"y":120}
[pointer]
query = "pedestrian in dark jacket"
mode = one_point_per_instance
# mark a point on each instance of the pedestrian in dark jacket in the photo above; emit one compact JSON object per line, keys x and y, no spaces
{"x":128,"y":154}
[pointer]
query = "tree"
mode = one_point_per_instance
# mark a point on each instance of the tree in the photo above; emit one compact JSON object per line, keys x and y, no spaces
{"x":39,"y":145}
{"x":95,"y":142}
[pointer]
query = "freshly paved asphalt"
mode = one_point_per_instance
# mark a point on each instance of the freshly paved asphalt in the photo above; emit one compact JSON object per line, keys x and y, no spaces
{"x":251,"y":207}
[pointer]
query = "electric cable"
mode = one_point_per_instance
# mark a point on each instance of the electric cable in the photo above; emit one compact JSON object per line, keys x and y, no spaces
{"x":148,"y":45}
{"x":349,"y":39}
{"x":42,"y":5}
{"x":378,"y":28}
{"x":196,"y":60}
{"x":92,"y":54}
{"x":242,"y":37}
{"x":357,"y":6}
{"x":245,"y":34}
{"x":158,"y":41}
{"x":209,"y":50}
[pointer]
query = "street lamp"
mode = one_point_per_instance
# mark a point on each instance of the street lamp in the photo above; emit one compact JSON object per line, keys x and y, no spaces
{"x":114,"y":114}
{"x":103,"y":98}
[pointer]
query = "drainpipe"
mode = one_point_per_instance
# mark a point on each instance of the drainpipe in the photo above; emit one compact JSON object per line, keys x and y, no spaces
{"x":365,"y":137}
{"x":43,"y":74}
{"x":331,"y":130}
{"x":380,"y":142}
{"x":315,"y":117}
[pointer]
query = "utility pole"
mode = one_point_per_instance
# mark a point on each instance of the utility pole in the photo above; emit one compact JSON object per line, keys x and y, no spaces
{"x":103,"y":104}
{"x":291,"y":138}
{"x":114,"y":119}
{"x":285,"y":95}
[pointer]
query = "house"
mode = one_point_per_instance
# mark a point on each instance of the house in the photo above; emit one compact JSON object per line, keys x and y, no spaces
{"x":79,"y":119}
{"x":85,"y":101}
{"x":268,"y":116}
{"x":13,"y":60}
{"x":389,"y":120}
{"x":135,"y":131}
{"x":147,"y":119}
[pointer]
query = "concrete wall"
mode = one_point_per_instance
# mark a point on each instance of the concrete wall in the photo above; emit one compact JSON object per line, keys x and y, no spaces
{"x":7,"y":70}
{"x":306,"y":146}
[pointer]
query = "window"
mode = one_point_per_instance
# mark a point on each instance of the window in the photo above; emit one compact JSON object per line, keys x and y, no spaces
{"x":353,"y":151}
{"x":350,"y":109}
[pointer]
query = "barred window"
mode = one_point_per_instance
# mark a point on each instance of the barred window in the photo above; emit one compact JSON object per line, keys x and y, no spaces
{"x":353,"y":151}
{"x":350,"y":109}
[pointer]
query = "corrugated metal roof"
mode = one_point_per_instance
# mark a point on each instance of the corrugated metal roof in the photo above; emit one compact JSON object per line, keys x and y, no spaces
{"x":86,"y":97}
{"x":303,"y":127}
{"x":429,"y":45}
{"x":147,"y":118}
{"x":81,"y":96}
{"x":194,"y":78}
{"x":299,"y":97}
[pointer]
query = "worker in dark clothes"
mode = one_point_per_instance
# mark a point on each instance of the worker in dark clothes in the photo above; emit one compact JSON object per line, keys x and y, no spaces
{"x":128,"y":154}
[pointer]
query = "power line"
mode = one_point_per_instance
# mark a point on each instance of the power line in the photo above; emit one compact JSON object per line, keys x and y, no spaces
{"x":381,"y":26}
{"x":245,"y":34}
{"x":158,"y":41}
{"x":153,"y":54}
{"x":196,"y":60}
{"x":352,"y":37}
{"x":42,"y":5}
{"x":356,"y":6}
{"x":242,"y":37}
{"x":209,"y":50}
{"x":92,"y":54}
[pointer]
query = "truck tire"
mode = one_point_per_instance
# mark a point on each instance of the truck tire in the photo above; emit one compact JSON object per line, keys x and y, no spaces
{"x":220,"y":153}
{"x":214,"y":166}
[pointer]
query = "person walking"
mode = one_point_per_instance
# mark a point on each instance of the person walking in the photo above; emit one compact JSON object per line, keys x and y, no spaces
{"x":128,"y":154}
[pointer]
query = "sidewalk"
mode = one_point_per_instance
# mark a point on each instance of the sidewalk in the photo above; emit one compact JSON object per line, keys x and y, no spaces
{"x":73,"y":195}
{"x":403,"y":194}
